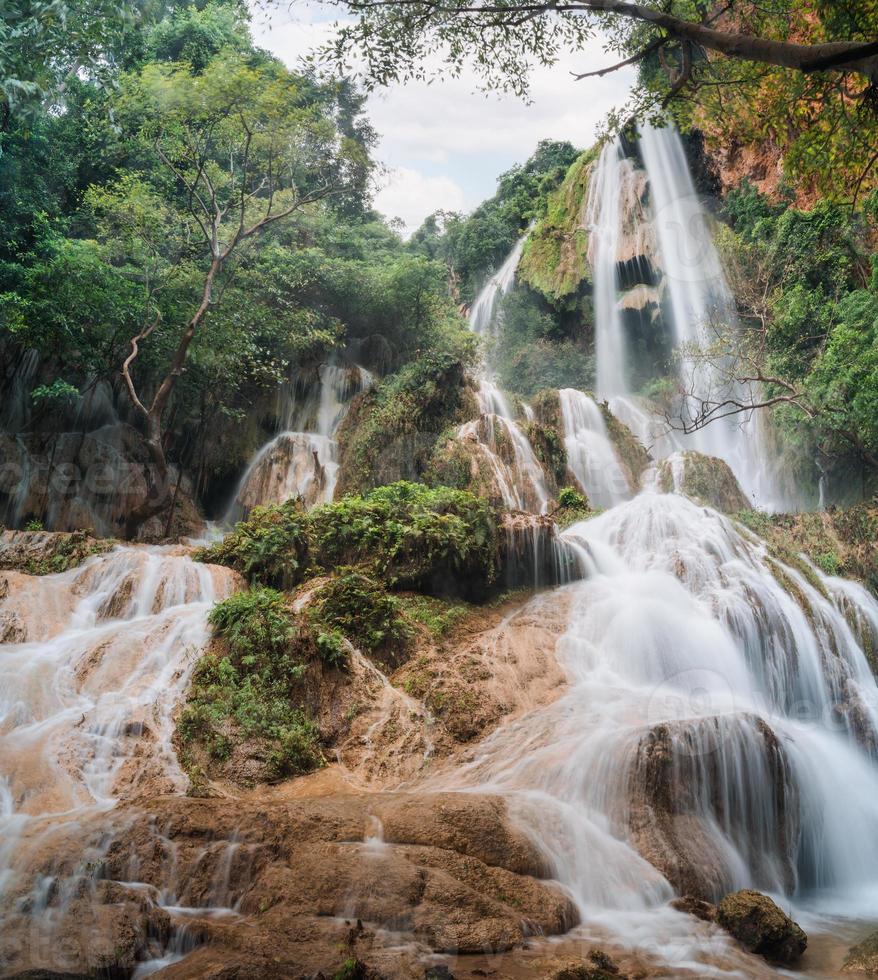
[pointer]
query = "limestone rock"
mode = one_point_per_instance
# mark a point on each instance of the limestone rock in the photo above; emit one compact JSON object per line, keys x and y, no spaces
{"x":705,"y":479}
{"x":757,"y":922}
{"x":863,"y":958}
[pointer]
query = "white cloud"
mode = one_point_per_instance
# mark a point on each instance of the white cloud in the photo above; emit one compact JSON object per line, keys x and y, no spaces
{"x":410,"y":196}
{"x":447,"y":142}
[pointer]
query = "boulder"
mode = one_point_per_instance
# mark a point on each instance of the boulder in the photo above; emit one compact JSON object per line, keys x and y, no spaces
{"x":863,"y":958}
{"x":706,"y":479}
{"x":761,"y":926}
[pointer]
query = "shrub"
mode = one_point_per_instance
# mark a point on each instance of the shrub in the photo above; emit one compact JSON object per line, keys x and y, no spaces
{"x":433,"y":539}
{"x":358,"y":608}
{"x":270,"y":547}
{"x":251,"y":687}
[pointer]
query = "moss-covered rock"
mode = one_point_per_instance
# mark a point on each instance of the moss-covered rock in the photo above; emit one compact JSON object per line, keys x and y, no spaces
{"x":631,"y":452}
{"x":599,"y":966}
{"x":863,"y":958}
{"x":763,"y":928}
{"x":546,"y":406}
{"x":358,"y":608}
{"x":555,"y":261}
{"x":246,"y":716}
{"x":706,"y":479}
{"x":547,"y":443}
{"x":436,"y":540}
{"x":392,"y":428}
{"x":48,"y":552}
{"x":839,"y":541}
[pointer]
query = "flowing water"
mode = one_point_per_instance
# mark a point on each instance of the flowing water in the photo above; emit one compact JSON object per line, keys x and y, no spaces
{"x":497,"y":435}
{"x":302,"y":459}
{"x":652,"y":253}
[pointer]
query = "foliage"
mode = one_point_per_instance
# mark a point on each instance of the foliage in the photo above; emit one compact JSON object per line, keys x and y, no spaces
{"x":250,"y":687}
{"x":434,"y":539}
{"x":805,"y":282}
{"x":360,"y":609}
{"x":838,"y":541}
{"x":58,"y":391}
{"x":407,"y":535}
{"x":475,"y":245}
{"x":555,"y":259}
{"x":573,"y":506}
{"x":271,"y":547}
{"x":100,"y":242}
{"x":389,"y":435}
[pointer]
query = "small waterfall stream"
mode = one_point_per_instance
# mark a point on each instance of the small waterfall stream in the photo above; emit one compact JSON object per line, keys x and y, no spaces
{"x":302,"y":459}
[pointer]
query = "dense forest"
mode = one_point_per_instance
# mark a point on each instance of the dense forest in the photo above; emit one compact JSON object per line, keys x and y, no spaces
{"x":494,"y":598}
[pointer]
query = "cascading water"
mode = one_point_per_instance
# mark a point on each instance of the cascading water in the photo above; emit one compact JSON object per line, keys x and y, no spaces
{"x":102,"y":657}
{"x":302,"y":460}
{"x":719,"y":727}
{"x":508,"y":454}
{"x":651,"y":249}
{"x":718,"y":732}
{"x":590,"y":454}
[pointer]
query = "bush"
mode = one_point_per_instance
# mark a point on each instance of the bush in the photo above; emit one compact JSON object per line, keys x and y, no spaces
{"x":358,"y":608}
{"x":251,"y":687}
{"x":269,"y":548}
{"x":409,"y":536}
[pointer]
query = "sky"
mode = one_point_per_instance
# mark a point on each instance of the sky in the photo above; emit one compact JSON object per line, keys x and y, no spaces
{"x":445,"y":144}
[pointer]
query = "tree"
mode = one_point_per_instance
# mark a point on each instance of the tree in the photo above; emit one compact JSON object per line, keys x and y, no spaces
{"x":811,"y":64}
{"x":237,"y":149}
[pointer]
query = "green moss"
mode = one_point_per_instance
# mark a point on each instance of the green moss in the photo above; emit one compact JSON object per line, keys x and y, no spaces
{"x":555,"y":261}
{"x":548,"y":446}
{"x":546,"y":406}
{"x":630,"y":451}
{"x":707,"y":480}
{"x":391,"y":430}
{"x":838,"y":542}
{"x":360,"y":609}
{"x":437,"y":616}
{"x":66,"y":551}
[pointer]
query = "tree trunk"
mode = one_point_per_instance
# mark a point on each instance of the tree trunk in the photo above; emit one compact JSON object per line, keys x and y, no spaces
{"x":158,"y":494}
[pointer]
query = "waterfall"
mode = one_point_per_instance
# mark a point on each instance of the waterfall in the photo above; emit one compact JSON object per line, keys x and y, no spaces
{"x":590,"y":454}
{"x":652,"y":253}
{"x":719,"y":724}
{"x":719,"y":729}
{"x":88,"y":691}
{"x":302,"y":459}
{"x":498,"y":438}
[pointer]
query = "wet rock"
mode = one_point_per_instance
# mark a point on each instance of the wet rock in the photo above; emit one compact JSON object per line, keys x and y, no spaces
{"x":863,"y":958}
{"x":599,"y":966}
{"x":48,"y":552}
{"x":690,"y":905}
{"x":532,"y":554}
{"x":450,"y":871}
{"x":676,"y":770}
{"x":440,"y":972}
{"x":705,"y":479}
{"x":763,"y":928}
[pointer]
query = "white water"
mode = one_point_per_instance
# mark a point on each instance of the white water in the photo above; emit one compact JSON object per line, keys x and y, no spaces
{"x":657,"y":218}
{"x":708,"y":686}
{"x":683,"y":637}
{"x":87,"y":702}
{"x":507,"y":453}
{"x":590,"y":454}
{"x":302,"y":460}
